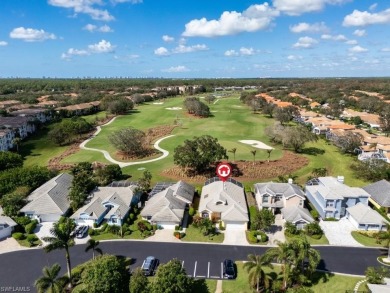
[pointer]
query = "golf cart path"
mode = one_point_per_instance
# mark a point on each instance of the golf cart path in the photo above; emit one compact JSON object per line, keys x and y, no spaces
{"x":124,"y":164}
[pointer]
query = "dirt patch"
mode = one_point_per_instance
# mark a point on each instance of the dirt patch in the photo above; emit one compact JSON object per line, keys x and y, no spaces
{"x":249,"y":171}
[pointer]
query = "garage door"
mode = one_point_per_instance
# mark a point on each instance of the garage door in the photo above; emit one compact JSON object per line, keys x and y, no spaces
{"x":4,"y":233}
{"x":50,"y":218}
{"x":167,"y":225}
{"x":235,"y":226}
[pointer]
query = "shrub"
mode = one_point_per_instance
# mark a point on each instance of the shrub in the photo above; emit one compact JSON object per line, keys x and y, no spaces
{"x":92,"y":232}
{"x":94,"y":225}
{"x":29,"y":228}
{"x":191,"y":211}
{"x":131,"y":216}
{"x":221,"y":226}
{"x":104,"y":227}
{"x":331,"y":219}
{"x":148,"y":225}
{"x":176,"y":227}
{"x":263,"y":236}
{"x":154,"y":227}
{"x":128,"y":232}
{"x":176,"y":234}
{"x":23,"y":221}
{"x":182,"y":234}
{"x":252,"y":237}
{"x":314,"y":214}
{"x":147,"y":233}
{"x":316,"y":236}
{"x":18,"y":236}
{"x":31,"y":238}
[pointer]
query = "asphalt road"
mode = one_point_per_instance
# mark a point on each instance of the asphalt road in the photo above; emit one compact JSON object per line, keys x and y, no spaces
{"x":22,"y":268}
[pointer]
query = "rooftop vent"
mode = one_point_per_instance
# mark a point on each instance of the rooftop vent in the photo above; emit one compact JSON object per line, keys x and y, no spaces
{"x":340,"y":179}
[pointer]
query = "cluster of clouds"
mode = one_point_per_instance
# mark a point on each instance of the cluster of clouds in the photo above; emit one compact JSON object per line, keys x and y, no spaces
{"x":101,"y":47}
{"x":180,"y":48}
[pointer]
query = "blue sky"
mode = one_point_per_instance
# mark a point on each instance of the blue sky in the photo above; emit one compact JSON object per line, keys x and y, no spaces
{"x":194,"y":38}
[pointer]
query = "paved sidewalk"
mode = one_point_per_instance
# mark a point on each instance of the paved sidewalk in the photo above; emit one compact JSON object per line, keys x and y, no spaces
{"x":9,"y":244}
{"x":339,"y":232}
{"x":219,"y":287}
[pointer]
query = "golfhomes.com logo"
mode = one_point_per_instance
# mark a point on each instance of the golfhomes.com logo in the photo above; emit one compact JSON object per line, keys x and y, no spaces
{"x":15,"y":289}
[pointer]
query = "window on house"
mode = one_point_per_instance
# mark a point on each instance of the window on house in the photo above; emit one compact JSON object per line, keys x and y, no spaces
{"x":265,"y":198}
{"x":329,"y":204}
{"x":301,"y":202}
{"x":278,"y":198}
{"x":114,"y":220}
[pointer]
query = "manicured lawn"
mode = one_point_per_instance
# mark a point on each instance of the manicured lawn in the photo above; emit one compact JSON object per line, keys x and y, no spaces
{"x":323,"y":240}
{"x":194,"y":235}
{"x":322,"y":282}
{"x":365,"y":240}
{"x":25,"y":243}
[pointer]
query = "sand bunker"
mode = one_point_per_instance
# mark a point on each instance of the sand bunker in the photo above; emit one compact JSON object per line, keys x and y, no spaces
{"x":257,"y":144}
{"x":158,"y":103}
{"x":174,"y":108}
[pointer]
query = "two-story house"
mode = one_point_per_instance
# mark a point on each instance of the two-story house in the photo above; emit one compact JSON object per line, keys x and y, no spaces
{"x":331,"y":197}
{"x":283,"y":198}
{"x":18,"y":124}
{"x":39,"y":114}
{"x":6,"y":139}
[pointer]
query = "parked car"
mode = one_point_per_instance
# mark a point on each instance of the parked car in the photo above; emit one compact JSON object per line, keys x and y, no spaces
{"x":82,"y":231}
{"x":76,"y":230}
{"x":229,"y":271}
{"x":150,"y":265}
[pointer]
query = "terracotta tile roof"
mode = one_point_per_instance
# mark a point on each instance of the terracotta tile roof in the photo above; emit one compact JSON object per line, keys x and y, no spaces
{"x":82,"y":106}
{"x":315,"y":104}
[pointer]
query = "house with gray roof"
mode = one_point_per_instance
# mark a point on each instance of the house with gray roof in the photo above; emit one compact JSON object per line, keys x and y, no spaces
{"x":167,"y":207}
{"x":111,"y":204}
{"x":297,"y":215}
{"x":379,"y":194}
{"x":50,"y":201}
{"x":331,"y":197}
{"x":6,"y":225}
{"x":380,"y":288}
{"x":224,"y":201}
{"x":365,"y":218}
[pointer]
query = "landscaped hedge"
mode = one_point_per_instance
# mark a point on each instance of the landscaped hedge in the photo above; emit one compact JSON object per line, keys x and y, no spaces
{"x":29,"y":228}
{"x":18,"y":236}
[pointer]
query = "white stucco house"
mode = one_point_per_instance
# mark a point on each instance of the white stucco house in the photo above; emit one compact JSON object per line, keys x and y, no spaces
{"x":50,"y":201}
{"x":224,"y":201}
{"x":167,"y":207}
{"x":6,"y":225}
{"x":111,"y":204}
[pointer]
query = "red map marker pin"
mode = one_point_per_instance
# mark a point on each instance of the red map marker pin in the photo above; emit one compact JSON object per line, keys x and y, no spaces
{"x":224,"y":170}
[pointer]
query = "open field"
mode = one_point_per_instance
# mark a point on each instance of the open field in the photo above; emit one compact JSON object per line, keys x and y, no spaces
{"x":232,"y":121}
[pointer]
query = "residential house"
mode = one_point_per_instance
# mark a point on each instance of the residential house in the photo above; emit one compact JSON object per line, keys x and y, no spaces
{"x":40,"y":114}
{"x":20,"y":125}
{"x":379,"y":194}
{"x":331,"y":197}
{"x":283,"y":198}
{"x":167,"y":207}
{"x":371,"y":119}
{"x":6,"y":225}
{"x":224,"y":201}
{"x":80,"y":109}
{"x":111,"y":204}
{"x":365,"y":218}
{"x":374,"y":146}
{"x":50,"y":201}
{"x":6,"y":139}
{"x":9,"y":103}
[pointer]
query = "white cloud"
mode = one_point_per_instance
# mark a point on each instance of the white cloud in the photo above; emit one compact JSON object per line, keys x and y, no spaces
{"x":247,"y":51}
{"x":255,"y":18}
{"x":318,"y":27}
{"x":74,"y":52}
{"x":124,"y":1}
{"x":84,"y":6}
{"x":189,"y":49}
{"x":93,"y":28}
{"x":230,"y":53}
{"x":385,"y":50}
{"x":31,"y":35}
{"x":305,"y":43}
{"x":363,"y":18}
{"x":102,"y":47}
{"x":340,"y":38}
{"x":359,"y":33}
{"x":298,"y":7}
{"x":357,"y":49}
{"x":167,"y":38}
{"x":3,"y":43}
{"x":351,"y":42}
{"x":294,"y":57}
{"x":161,"y":51}
{"x":373,"y":6}
{"x":179,"y":68}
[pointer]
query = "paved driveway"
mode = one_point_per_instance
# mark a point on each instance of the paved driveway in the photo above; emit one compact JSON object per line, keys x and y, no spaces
{"x":43,"y":230}
{"x":276,"y":231}
{"x":339,"y":233}
{"x":9,"y":244}
{"x":235,"y":237}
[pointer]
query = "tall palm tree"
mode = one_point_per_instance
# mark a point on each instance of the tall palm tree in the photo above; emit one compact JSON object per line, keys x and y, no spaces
{"x":254,"y":155}
{"x":254,"y":267}
{"x":63,"y":238}
{"x":16,"y":142}
{"x":269,"y":151}
{"x":283,"y":254}
{"x":305,"y":255}
{"x":50,"y":282}
{"x":233,"y":151}
{"x":93,"y":244}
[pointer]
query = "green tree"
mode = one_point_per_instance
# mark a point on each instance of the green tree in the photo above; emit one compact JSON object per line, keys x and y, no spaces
{"x":384,"y":238}
{"x":49,"y":282}
{"x":199,"y":153}
{"x":62,"y":238}
{"x":285,"y":114}
{"x":109,"y":173}
{"x":376,"y":275}
{"x":144,"y":181}
{"x":105,"y":274}
{"x":297,"y":136}
{"x":255,"y":267}
{"x":269,"y":151}
{"x":384,"y":119}
{"x":253,"y":152}
{"x":93,"y":245}
{"x":9,"y":160}
{"x":262,"y":220}
{"x":116,"y":105}
{"x":16,"y":142}
{"x":139,"y":282}
{"x":171,"y":278}
{"x":233,"y":151}
{"x":130,"y":141}
{"x":13,"y":202}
